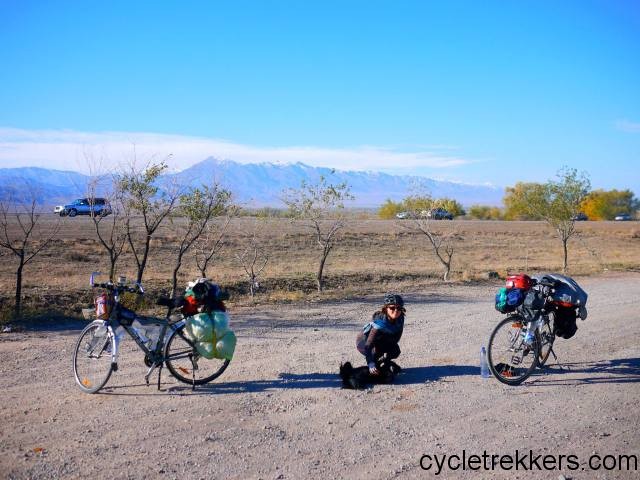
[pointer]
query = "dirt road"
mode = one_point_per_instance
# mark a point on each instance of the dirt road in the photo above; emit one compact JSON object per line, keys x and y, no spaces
{"x":279,"y":412}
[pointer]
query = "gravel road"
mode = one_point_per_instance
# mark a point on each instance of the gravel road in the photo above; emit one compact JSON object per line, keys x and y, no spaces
{"x":278,"y":412}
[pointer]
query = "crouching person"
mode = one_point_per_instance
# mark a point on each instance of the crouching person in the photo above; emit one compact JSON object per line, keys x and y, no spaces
{"x":378,"y":340}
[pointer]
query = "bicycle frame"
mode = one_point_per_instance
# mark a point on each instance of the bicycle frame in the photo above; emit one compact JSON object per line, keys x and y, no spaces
{"x":160,"y":350}
{"x":155,"y":354}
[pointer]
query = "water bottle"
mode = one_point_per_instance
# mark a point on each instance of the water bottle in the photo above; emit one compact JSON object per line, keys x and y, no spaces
{"x":484,"y":365}
{"x":120,"y":333}
{"x":101,"y":331}
{"x":141,"y":331}
{"x":531,"y":331}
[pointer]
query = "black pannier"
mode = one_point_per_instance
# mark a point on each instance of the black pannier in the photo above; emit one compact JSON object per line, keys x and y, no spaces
{"x":565,"y":322}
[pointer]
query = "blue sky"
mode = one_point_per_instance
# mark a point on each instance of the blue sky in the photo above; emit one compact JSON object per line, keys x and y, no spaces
{"x":477,"y":92}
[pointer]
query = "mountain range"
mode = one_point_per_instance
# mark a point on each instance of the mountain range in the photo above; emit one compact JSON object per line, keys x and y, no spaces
{"x":257,"y":185}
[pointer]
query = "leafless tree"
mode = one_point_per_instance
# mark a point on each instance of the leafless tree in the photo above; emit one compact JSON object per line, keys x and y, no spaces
{"x":142,"y":195}
{"x":253,"y":257}
{"x":110,"y":227}
{"x":442,"y":243}
{"x":212,"y":241}
{"x":319,"y":207}
{"x":22,"y":233}
{"x":198,"y":207}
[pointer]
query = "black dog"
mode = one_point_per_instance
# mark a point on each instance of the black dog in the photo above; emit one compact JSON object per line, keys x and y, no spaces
{"x":357,"y":378}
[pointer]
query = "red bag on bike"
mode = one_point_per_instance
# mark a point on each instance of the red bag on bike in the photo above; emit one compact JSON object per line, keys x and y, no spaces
{"x":521,"y":281}
{"x":104,"y":304}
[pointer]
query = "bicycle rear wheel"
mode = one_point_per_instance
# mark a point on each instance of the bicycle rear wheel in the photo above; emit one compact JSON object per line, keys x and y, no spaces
{"x":185,"y":363}
{"x":92,"y":357}
{"x":545,"y":337}
{"x":511,"y":360}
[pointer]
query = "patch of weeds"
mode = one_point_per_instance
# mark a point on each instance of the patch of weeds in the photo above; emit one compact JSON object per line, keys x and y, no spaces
{"x":78,"y":257}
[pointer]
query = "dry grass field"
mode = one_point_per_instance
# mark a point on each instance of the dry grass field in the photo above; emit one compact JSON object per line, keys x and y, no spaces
{"x":373,"y":256}
{"x":278,"y":412}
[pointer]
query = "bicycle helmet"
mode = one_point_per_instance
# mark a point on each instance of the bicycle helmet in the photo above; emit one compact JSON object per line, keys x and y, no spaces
{"x":393,"y":299}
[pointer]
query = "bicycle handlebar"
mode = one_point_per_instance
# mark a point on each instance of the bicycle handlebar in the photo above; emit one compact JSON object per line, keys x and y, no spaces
{"x":136,"y":288}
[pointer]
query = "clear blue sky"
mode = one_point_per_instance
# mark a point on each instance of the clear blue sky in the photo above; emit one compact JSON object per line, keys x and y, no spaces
{"x":473,"y":91}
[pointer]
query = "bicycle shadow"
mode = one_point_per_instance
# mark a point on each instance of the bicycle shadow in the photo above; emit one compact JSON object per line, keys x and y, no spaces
{"x":623,"y":370}
{"x":291,"y":381}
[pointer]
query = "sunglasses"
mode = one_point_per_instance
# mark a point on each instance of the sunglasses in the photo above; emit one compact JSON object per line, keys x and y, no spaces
{"x":393,"y":308}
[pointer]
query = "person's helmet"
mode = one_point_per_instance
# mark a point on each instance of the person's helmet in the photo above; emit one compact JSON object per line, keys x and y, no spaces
{"x":393,"y":299}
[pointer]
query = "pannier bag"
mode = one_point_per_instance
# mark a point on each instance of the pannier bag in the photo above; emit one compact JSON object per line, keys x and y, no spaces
{"x":515,"y":297}
{"x":507,"y":300}
{"x":565,"y":322}
{"x":501,"y":301}
{"x":211,"y":334}
{"x":567,"y":293}
{"x":569,"y":300}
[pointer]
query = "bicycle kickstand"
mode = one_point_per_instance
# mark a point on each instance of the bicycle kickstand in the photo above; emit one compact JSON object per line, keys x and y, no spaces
{"x":159,"y":373}
{"x":555,"y":357}
{"x":194,"y":367}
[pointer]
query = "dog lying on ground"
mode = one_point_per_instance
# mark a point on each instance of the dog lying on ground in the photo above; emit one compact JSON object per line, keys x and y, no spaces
{"x":357,"y":378}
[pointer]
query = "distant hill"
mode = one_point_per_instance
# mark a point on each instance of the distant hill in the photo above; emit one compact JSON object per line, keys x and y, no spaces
{"x":49,"y":186}
{"x":258,"y":185}
{"x":262,"y":184}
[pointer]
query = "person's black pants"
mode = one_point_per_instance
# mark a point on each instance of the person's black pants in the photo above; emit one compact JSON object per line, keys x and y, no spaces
{"x":388,"y":347}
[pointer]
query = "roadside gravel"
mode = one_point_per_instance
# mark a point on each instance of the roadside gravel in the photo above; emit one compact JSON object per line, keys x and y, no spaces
{"x":279,"y":412}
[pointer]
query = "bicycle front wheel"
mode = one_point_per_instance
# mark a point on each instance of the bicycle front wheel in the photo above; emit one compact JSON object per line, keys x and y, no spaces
{"x":545,"y":337}
{"x":511,"y":360}
{"x":186,"y":364}
{"x":92,"y":357}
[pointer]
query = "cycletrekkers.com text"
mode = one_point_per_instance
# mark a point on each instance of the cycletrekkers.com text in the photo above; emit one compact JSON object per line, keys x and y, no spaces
{"x":523,"y":461}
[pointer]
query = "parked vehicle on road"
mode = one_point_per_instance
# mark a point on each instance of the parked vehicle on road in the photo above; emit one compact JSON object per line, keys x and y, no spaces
{"x":84,"y":206}
{"x":439,"y":214}
{"x":623,"y":217}
{"x":580,"y":217}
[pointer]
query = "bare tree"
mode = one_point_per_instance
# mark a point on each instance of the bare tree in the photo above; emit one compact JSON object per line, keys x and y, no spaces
{"x":110,"y":223}
{"x":141,"y":195}
{"x":253,"y":258}
{"x":22,"y":233}
{"x":198,"y":206}
{"x":442,"y":242}
{"x":557,"y":202}
{"x":320,"y":208}
{"x":212,"y":241}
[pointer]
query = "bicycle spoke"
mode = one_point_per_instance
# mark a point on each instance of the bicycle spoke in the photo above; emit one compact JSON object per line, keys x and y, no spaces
{"x":92,"y":358}
{"x":511,"y":359}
